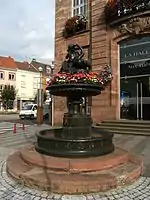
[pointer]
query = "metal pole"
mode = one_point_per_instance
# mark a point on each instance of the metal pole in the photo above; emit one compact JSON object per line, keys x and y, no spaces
{"x":137,"y":99}
{"x":141,"y":90}
{"x":40,"y":80}
{"x":109,"y":62}
{"x":40,"y":102}
{"x":90,"y":53}
{"x":52,"y":99}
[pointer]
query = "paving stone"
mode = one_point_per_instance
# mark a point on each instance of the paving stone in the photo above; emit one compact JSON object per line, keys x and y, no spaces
{"x":12,"y":191}
{"x":37,"y":198}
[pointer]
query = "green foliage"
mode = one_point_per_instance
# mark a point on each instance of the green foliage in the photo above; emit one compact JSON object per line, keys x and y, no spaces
{"x":8,"y":96}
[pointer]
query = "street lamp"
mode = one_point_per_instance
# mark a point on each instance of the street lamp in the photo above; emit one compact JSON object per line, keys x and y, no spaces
{"x":40,"y":99}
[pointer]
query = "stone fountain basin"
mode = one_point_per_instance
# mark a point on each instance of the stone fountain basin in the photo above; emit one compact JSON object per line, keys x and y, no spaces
{"x":79,"y":89}
{"x":50,"y":142}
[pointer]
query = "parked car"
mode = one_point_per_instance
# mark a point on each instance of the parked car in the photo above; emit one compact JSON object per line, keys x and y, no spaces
{"x":29,"y":111}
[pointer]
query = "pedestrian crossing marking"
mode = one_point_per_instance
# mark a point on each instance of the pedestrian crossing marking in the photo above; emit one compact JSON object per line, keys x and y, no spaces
{"x":21,"y":138}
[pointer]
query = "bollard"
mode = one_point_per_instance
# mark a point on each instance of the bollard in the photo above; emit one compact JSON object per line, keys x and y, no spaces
{"x":23,"y":127}
{"x":15,"y":128}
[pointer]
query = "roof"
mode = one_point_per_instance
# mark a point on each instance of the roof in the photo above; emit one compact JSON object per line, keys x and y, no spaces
{"x":46,"y":67}
{"x":25,"y":66}
{"x":7,"y":62}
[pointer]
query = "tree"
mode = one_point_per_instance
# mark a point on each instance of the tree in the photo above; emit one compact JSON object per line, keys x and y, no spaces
{"x":44,"y":97}
{"x":8,"y":96}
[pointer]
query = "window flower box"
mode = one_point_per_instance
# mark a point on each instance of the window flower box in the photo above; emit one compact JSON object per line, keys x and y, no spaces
{"x":74,"y":25}
{"x":117,"y":9}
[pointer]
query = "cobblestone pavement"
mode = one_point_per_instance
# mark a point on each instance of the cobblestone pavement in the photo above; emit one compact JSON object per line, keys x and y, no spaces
{"x":10,"y":190}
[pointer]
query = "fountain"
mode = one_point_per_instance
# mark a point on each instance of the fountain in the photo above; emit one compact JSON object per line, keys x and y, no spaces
{"x":76,"y":138}
{"x":77,"y":157}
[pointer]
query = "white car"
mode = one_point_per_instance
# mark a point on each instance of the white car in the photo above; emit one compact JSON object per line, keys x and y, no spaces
{"x":28,"y":111}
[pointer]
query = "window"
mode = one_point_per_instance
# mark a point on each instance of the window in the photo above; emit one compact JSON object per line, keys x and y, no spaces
{"x":48,"y":70}
{"x":27,"y":107}
{"x":79,"y":7}
{"x":12,"y":87}
{"x":11,"y":76}
{"x":23,"y":83}
{"x":1,"y":75}
{"x":35,"y":108}
{"x":1,"y":88}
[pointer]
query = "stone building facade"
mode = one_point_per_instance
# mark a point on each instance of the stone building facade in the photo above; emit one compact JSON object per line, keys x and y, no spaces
{"x":102,"y":44}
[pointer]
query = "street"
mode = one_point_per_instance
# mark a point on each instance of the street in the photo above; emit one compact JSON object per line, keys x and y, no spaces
{"x":14,"y":118}
{"x":7,"y":117}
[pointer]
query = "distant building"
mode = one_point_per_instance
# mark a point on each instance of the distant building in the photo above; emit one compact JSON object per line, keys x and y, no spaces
{"x":25,"y":77}
{"x":8,"y":72}
{"x":46,"y":70}
{"x":27,"y":83}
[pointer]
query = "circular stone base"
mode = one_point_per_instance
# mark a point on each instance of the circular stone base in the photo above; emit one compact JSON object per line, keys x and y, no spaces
{"x":74,"y":176}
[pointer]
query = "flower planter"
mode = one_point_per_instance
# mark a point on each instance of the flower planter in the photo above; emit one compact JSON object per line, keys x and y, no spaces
{"x":74,"y":25}
{"x":116,"y":10}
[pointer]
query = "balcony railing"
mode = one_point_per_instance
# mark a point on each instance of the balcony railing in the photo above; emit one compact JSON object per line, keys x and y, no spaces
{"x":118,"y":9}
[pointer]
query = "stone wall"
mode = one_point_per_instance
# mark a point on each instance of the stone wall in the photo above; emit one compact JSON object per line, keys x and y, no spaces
{"x":104,"y":106}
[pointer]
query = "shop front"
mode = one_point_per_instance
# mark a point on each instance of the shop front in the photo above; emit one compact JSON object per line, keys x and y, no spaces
{"x":135,"y":79}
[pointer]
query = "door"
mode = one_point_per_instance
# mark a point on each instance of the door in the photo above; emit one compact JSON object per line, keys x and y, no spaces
{"x":135,"y":98}
{"x":144,"y":98}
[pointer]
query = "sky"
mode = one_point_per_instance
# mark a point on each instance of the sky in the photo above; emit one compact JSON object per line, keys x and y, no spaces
{"x":27,"y":29}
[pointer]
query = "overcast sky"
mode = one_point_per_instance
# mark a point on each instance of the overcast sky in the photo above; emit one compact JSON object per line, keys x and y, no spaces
{"x":27,"y":29}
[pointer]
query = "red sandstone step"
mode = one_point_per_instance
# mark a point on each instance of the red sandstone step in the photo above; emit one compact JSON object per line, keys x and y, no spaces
{"x":66,"y":182}
{"x":14,"y":161}
{"x":75,"y":165}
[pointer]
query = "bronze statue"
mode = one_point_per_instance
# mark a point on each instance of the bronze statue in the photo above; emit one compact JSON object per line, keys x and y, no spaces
{"x":74,"y":60}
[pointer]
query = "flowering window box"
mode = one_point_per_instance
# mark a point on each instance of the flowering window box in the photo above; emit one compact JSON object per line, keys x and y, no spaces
{"x":118,"y":9}
{"x":75,"y":25}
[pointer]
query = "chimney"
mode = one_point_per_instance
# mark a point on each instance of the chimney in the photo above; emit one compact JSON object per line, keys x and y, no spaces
{"x":10,"y":57}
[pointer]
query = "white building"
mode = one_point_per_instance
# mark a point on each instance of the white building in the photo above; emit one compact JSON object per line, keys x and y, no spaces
{"x":27,"y":83}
